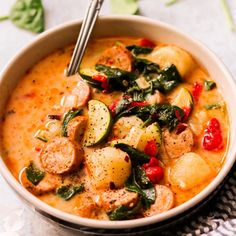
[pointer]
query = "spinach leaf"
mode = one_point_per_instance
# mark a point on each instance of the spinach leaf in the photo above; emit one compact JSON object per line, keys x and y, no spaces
{"x":163,"y":80}
{"x":54,"y":117}
{"x":170,"y":116}
{"x":213,"y":106}
{"x":124,"y":212}
{"x":92,"y":82}
{"x":138,"y":182}
{"x":123,"y":104}
{"x":144,"y":66}
{"x":167,"y":79}
{"x":68,"y":191}
{"x":117,"y":79}
{"x":136,"y":50}
{"x":141,"y":178}
{"x":135,"y":155}
{"x":67,"y":118}
{"x":165,"y":114}
{"x":27,"y":14}
{"x":209,"y":85}
{"x":124,"y":6}
{"x":33,"y":174}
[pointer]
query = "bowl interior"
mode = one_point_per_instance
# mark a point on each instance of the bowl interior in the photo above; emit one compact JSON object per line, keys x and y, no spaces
{"x":119,"y":26}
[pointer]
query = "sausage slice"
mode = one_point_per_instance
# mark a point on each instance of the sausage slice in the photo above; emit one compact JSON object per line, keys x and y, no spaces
{"x":76,"y":128}
{"x":178,"y":144}
{"x":112,"y":199}
{"x":117,"y":57}
{"x":164,"y":201}
{"x":61,"y":155}
{"x":88,"y":209}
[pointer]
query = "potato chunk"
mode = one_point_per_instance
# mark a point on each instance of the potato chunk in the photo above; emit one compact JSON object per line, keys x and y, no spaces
{"x":167,"y":55}
{"x":108,"y":166}
{"x":189,"y":171}
{"x":123,"y":126}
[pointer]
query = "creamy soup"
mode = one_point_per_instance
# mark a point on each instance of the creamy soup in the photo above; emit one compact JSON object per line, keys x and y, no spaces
{"x":142,"y":128}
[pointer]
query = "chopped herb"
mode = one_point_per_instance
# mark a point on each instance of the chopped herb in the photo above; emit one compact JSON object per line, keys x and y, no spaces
{"x":68,"y":191}
{"x":33,"y":174}
{"x":124,"y":6}
{"x":136,"y":50}
{"x":135,"y":155}
{"x":124,"y":212}
{"x":27,"y":14}
{"x":42,"y":139}
{"x":67,"y":118}
{"x":209,"y":85}
{"x":54,"y":117}
{"x":213,"y":106}
{"x":41,"y":135}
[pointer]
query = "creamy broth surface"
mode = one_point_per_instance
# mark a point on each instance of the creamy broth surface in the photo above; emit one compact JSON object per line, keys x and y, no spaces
{"x":40,"y":92}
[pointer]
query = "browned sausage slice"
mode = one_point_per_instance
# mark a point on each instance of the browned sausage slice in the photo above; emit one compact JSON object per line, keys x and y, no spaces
{"x":48,"y":184}
{"x":87,"y":209}
{"x":114,"y":198}
{"x":117,"y":57}
{"x":164,"y":201}
{"x":61,"y":155}
{"x":76,"y":128}
{"x":178,"y":144}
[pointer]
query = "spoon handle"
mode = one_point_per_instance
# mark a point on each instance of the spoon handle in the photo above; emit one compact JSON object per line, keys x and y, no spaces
{"x":84,"y":35}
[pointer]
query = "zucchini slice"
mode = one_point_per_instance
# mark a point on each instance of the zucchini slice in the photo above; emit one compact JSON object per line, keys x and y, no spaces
{"x":152,"y":132}
{"x":99,"y":123}
{"x":132,"y":139}
{"x":183,"y":99}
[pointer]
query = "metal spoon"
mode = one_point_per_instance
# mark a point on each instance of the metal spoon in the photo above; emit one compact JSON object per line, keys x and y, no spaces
{"x":84,"y":35}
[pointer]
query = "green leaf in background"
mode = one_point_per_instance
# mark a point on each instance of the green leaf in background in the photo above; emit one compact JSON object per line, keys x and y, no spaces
{"x":128,"y":7}
{"x":27,"y":14}
{"x":171,"y":2}
{"x":228,"y":15}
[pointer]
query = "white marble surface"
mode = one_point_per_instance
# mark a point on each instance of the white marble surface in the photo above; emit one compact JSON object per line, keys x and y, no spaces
{"x":202,"y":19}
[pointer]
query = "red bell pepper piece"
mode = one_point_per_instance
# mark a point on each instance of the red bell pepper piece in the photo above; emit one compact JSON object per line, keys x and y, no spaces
{"x":187,"y":111}
{"x":155,"y":174}
{"x":146,"y":43}
{"x":100,"y":78}
{"x":113,"y":106}
{"x":212,"y":139}
{"x":151,"y":148}
{"x":153,"y":162}
{"x":138,"y":104}
{"x":197,"y":90}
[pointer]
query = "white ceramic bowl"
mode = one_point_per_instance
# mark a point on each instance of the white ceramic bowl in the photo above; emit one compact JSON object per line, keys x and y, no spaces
{"x":119,"y":26}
